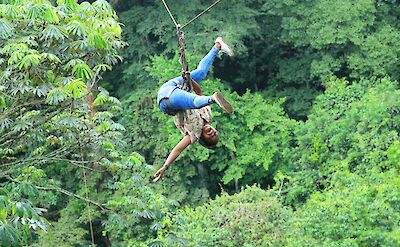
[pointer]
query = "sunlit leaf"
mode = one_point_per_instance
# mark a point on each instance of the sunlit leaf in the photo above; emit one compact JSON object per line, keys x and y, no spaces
{"x":30,"y":60}
{"x":49,"y":15}
{"x":82,"y":70}
{"x":97,"y":41}
{"x":10,"y":10}
{"x":102,"y":67}
{"x":8,"y":235}
{"x":100,"y":100}
{"x":6,"y":29}
{"x":3,"y":102}
{"x":77,"y":88}
{"x":53,"y":32}
{"x":76,"y":28}
{"x":35,"y":11}
{"x":105,"y":7}
{"x":51,"y":57}
{"x":56,"y":96}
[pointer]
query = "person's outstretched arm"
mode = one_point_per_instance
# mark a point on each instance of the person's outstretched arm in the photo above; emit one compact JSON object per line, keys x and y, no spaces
{"x":184,"y":143}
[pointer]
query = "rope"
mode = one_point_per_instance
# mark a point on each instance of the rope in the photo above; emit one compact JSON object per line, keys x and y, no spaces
{"x":170,"y":14}
{"x":204,"y":11}
{"x":88,"y":204}
{"x":187,"y":81}
{"x":87,"y":198}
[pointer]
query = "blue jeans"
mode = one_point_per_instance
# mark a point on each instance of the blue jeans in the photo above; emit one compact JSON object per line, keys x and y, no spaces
{"x":180,"y":99}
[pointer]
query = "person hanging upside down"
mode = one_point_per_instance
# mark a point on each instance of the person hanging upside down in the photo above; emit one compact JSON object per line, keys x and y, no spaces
{"x":192,"y":112}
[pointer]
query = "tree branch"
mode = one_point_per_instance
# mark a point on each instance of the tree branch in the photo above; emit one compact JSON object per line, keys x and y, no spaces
{"x":68,"y":193}
{"x":65,"y":192}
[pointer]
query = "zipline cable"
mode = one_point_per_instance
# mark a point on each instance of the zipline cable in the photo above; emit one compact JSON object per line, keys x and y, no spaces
{"x":204,"y":11}
{"x":170,"y":14}
{"x":192,"y":20}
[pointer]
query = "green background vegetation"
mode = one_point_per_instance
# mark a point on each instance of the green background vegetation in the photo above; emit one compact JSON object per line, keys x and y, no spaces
{"x":311,"y":156}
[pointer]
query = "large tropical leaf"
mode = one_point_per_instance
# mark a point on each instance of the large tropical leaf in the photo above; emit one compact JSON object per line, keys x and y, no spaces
{"x":57,"y":95}
{"x":51,"y":57}
{"x":49,"y":15}
{"x":30,"y":60}
{"x":87,"y":8}
{"x":72,"y":63}
{"x":69,"y":5}
{"x":6,"y":29}
{"x":53,"y":32}
{"x":16,"y":57}
{"x":82,"y":70}
{"x":8,"y":235}
{"x":5,"y":123}
{"x":97,"y":41}
{"x":77,"y":28}
{"x":3,"y":102}
{"x":9,"y":10}
{"x":105,"y":7}
{"x":35,"y":12}
{"x":101,"y":67}
{"x":77,"y":88}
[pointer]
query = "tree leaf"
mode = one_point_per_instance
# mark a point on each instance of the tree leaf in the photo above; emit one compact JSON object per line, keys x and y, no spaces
{"x":82,"y":70}
{"x":57,"y":95}
{"x":29,"y":60}
{"x":53,"y":32}
{"x":77,"y":28}
{"x":6,"y":29}
{"x":76,"y":88}
{"x":8,"y":235}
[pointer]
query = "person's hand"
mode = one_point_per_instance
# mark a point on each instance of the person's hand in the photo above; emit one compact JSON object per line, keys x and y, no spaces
{"x":157,"y":176}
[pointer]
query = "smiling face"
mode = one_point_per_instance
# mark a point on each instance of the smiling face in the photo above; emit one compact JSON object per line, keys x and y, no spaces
{"x":209,"y":135}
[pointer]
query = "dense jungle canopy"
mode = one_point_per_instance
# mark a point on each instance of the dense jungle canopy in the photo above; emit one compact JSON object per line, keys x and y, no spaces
{"x":311,"y":156}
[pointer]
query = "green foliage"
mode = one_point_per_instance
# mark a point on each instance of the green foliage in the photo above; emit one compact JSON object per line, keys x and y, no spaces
{"x":64,"y":233}
{"x":253,"y":217}
{"x":356,"y":211}
{"x":356,"y":124}
{"x":52,"y":57}
{"x":17,"y":213}
{"x":339,"y":169}
{"x":319,"y":23}
{"x":378,"y":55}
{"x":255,"y":139}
{"x":287,"y":49}
{"x":136,"y":209}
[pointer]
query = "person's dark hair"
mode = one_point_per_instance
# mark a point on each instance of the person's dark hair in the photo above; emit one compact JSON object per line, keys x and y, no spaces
{"x":210,"y":144}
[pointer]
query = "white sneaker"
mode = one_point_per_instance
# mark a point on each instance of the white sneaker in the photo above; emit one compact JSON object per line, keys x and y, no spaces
{"x":224,"y":47}
{"x":222,"y":102}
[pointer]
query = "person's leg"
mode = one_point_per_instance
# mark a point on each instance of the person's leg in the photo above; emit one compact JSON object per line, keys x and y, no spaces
{"x":202,"y":69}
{"x":182,"y":100}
